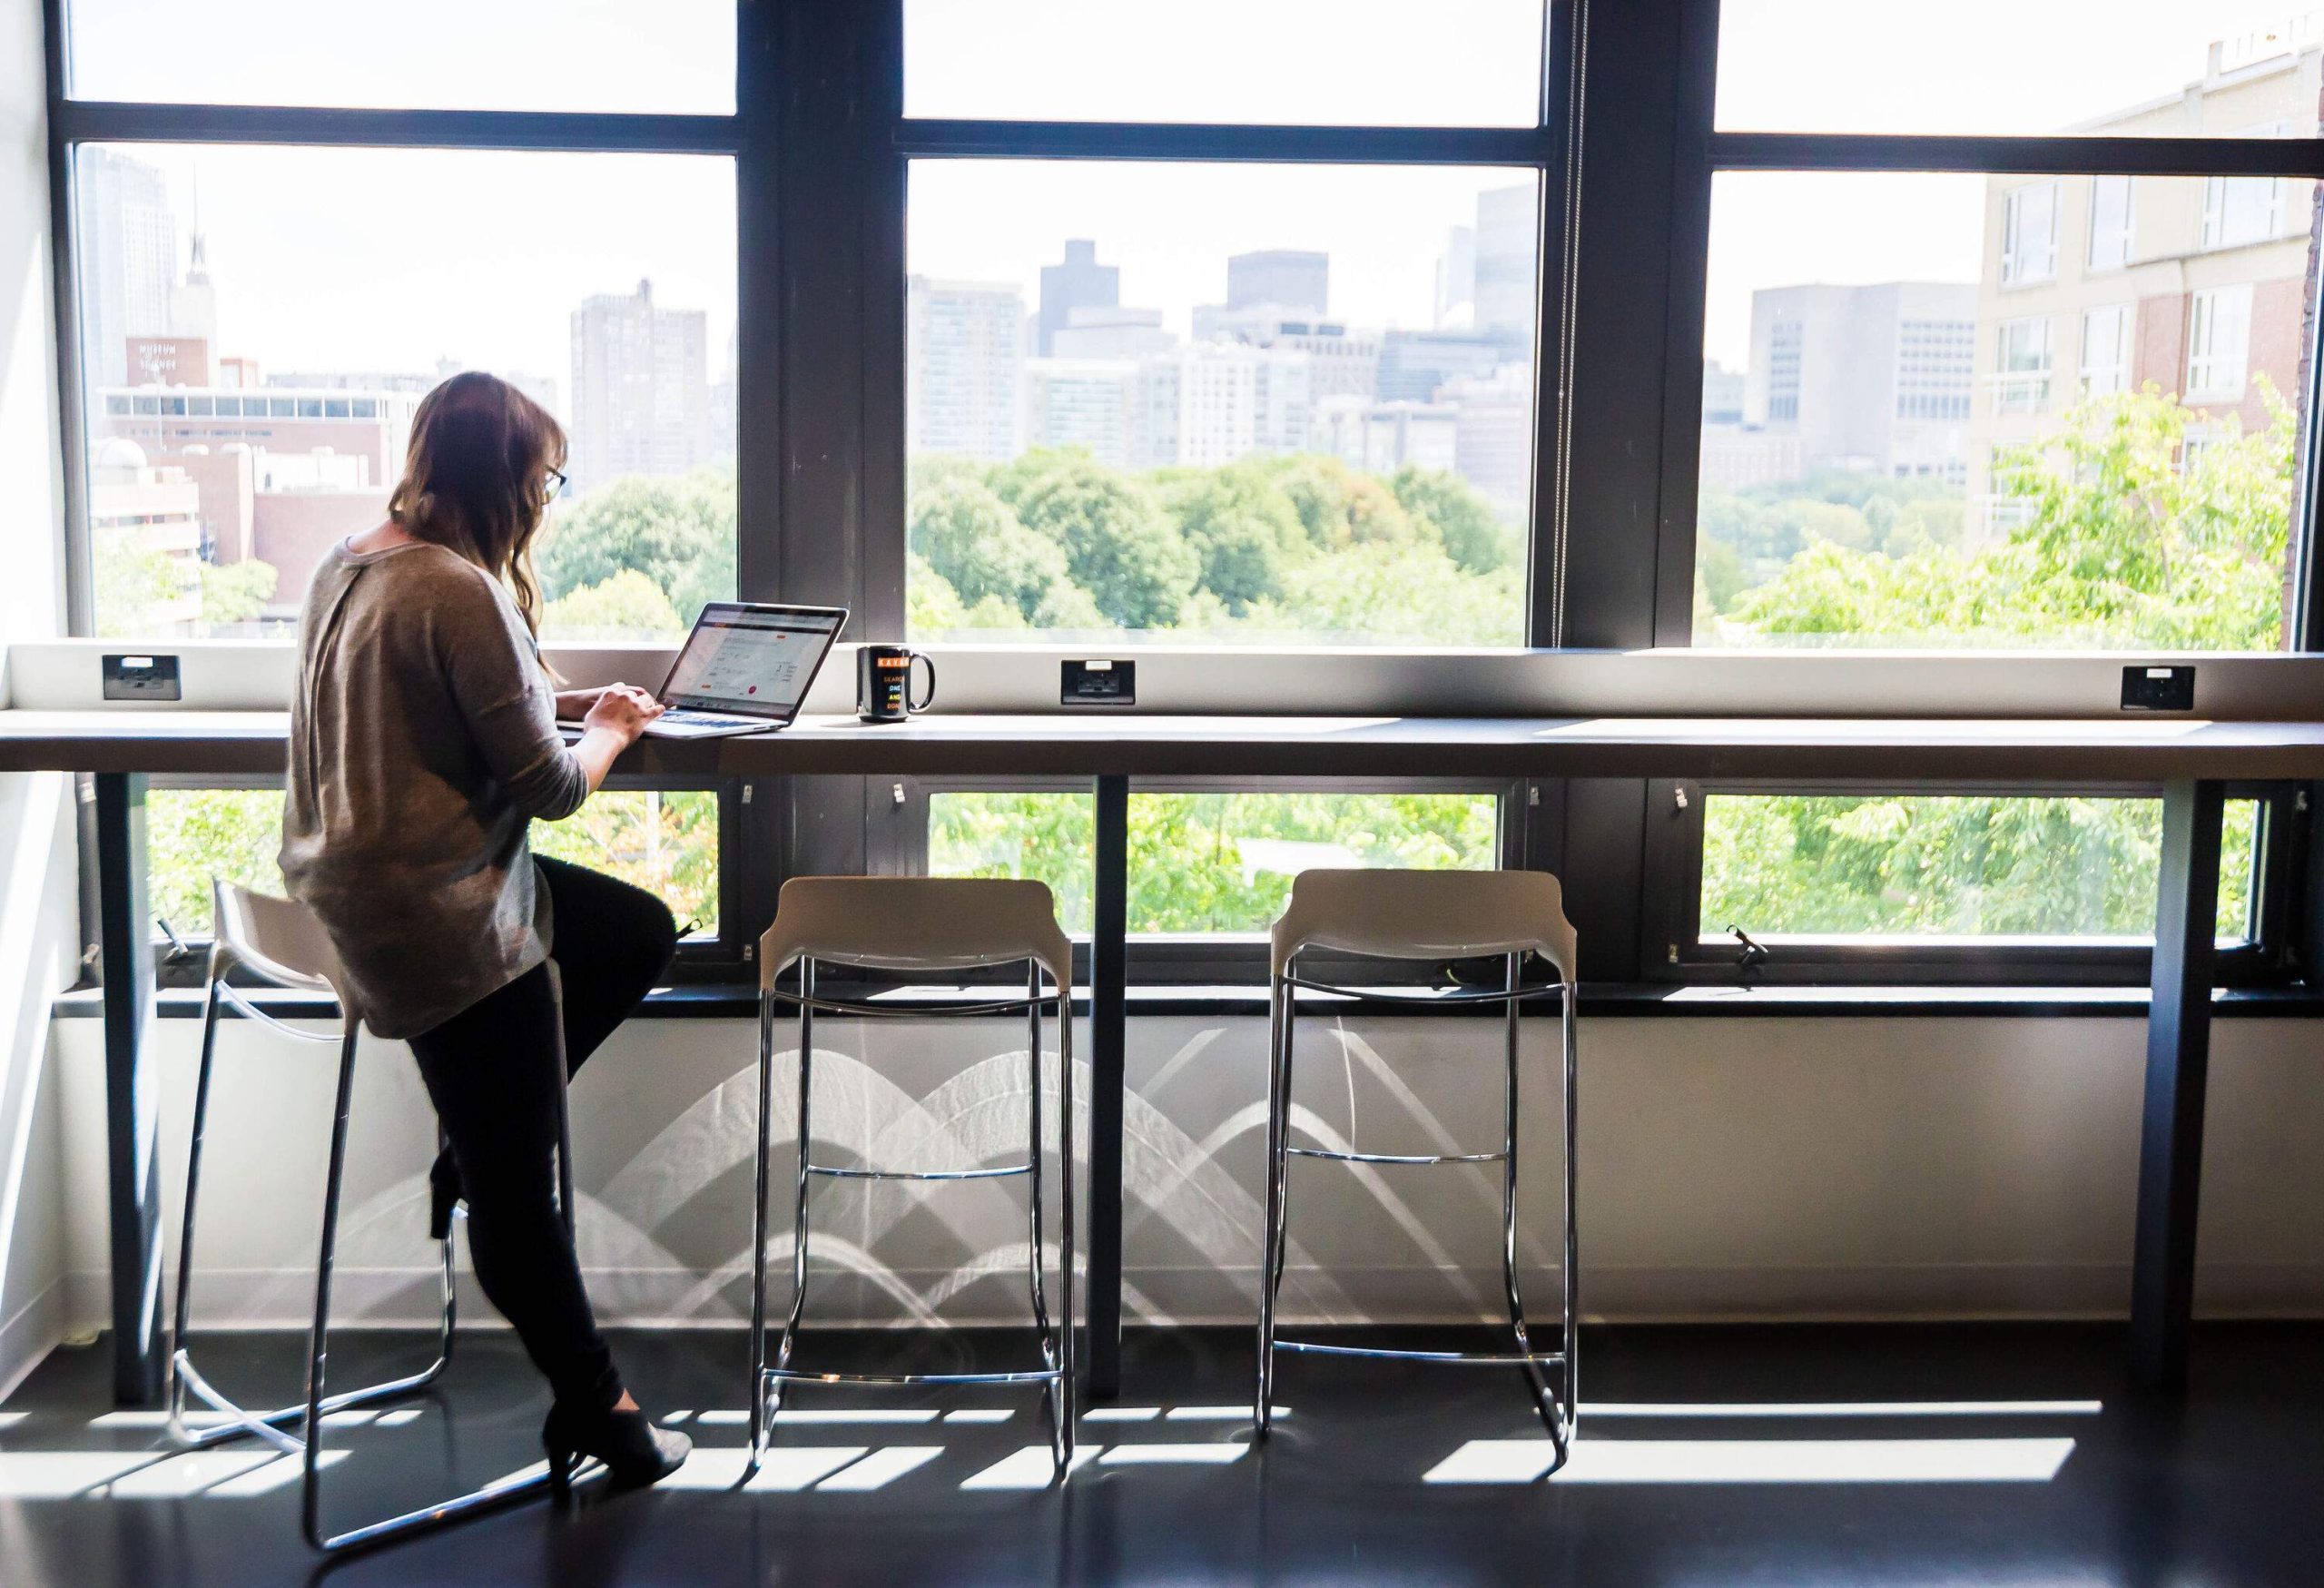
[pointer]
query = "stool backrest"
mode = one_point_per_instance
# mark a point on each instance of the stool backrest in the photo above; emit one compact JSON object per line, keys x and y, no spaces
{"x":276,"y":939}
{"x":915,"y":923}
{"x":1426,"y":915}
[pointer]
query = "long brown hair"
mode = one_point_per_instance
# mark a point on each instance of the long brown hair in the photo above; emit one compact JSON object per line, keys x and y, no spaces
{"x":475,"y":479}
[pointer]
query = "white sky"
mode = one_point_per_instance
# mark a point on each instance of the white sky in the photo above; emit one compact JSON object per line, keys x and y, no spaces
{"x":390,"y":260}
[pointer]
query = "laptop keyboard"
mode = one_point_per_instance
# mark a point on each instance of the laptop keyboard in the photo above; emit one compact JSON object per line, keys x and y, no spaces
{"x":687,"y":716}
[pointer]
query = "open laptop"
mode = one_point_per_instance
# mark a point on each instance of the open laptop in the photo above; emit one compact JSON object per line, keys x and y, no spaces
{"x":744,"y":669}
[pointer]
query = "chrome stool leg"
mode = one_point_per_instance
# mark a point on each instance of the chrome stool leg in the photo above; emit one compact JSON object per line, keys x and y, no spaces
{"x":1274,"y":1237}
{"x":1055,"y":1373}
{"x":799,"y":1225}
{"x":1529,"y":1361}
{"x":1557,"y":1408}
{"x":186,"y":1382}
{"x":501,"y":1492}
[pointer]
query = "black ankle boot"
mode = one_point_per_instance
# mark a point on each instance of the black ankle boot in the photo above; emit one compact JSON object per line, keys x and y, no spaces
{"x":636,"y":1453}
{"x":443,"y":1194}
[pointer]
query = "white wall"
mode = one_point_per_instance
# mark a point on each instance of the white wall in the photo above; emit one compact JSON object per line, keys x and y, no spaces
{"x":1908,"y":1168}
{"x":38,"y":907}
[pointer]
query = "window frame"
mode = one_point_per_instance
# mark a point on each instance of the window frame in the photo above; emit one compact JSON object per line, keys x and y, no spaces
{"x":821,"y":146}
{"x":748,"y":829}
{"x":1667,"y":872}
{"x":1678,"y":953}
{"x":2205,"y":357}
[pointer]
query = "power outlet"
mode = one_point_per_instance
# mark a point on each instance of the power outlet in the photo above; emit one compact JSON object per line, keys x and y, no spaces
{"x":149,"y":677}
{"x":1098,"y":682}
{"x":2159,"y":688}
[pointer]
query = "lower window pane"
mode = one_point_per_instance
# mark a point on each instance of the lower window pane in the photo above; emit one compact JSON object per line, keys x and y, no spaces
{"x":193,"y":834}
{"x":1206,"y":863}
{"x":1950,"y":866}
{"x":667,"y":844}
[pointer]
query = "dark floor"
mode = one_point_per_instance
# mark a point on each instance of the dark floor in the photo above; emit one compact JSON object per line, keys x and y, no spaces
{"x":1848,"y":1489}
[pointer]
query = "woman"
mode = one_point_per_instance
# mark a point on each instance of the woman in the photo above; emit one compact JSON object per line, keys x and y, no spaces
{"x":423,"y":744}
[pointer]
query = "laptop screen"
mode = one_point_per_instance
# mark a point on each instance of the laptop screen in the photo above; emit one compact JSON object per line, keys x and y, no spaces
{"x":753,"y":660}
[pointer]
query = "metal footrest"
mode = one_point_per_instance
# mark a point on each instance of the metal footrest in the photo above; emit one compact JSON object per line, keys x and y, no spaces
{"x":919,"y":1174}
{"x":1450,"y":1358}
{"x":896,"y":1380}
{"x":1397,"y":1158}
{"x":268,"y":1426}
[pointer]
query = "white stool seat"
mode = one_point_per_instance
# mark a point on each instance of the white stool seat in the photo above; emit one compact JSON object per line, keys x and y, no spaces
{"x":1425,"y":915}
{"x":915,"y":923}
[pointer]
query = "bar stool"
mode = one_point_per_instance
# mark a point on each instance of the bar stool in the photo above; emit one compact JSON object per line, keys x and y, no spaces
{"x":284,"y":945}
{"x":1426,"y":915}
{"x":915,"y":923}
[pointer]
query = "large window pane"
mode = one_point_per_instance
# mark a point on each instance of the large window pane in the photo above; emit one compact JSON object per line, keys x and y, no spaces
{"x":667,"y":844}
{"x":1377,"y":62}
{"x":672,"y":56}
{"x":2142,"y":68}
{"x":257,"y":326}
{"x":1839,"y":867}
{"x":1206,"y":863}
{"x":1956,"y":429}
{"x":1239,"y":403}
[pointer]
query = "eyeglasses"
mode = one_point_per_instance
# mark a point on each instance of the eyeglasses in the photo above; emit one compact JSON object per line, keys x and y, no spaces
{"x":554,"y":486}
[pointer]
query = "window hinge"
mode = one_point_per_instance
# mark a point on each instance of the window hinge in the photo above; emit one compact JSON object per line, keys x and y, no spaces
{"x":900,"y":794}
{"x":750,"y":953}
{"x":1533,"y":795}
{"x":748,"y":789}
{"x":1679,"y":797}
{"x":2300,"y":800}
{"x":1674,"y":953}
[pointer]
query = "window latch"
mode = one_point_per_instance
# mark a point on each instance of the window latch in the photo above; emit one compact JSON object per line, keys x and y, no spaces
{"x":1751,"y":960}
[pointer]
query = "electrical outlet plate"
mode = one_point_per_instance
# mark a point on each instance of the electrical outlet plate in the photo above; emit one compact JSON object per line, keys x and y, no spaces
{"x":1098,"y":681}
{"x":2159,"y":688}
{"x":142,"y":677}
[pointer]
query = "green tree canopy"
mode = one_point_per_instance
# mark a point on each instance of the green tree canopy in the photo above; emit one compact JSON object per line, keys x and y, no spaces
{"x":1241,"y":525}
{"x":975,"y":542}
{"x":2125,"y":543}
{"x":627,"y":604}
{"x":1471,"y":533}
{"x":1118,"y":544}
{"x":679,"y":532}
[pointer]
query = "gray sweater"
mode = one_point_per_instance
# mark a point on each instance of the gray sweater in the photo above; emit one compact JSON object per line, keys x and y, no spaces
{"x":423,"y":742}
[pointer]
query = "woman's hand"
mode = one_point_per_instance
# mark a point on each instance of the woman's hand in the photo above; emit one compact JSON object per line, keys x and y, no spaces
{"x":623,"y":709}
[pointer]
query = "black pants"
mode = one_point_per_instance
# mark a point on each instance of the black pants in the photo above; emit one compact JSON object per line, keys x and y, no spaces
{"x":491,"y":1072}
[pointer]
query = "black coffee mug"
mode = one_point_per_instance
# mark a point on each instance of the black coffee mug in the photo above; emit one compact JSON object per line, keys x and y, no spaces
{"x":883,"y":683}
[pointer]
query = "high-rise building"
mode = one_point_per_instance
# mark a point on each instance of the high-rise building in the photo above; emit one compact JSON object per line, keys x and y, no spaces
{"x":964,"y":368}
{"x":1292,"y":278}
{"x":193,"y":302}
{"x":1344,"y":360}
{"x":641,"y":388}
{"x":1505,"y":266}
{"x":1110,"y":332}
{"x":129,"y":241}
{"x":1872,"y":380}
{"x":1078,"y":281}
{"x":2092,"y":285}
{"x":1384,"y":437}
{"x":1456,"y":278}
{"x":1722,"y":394}
{"x":1091,"y":404}
{"x":1414,"y":365}
{"x":1216,"y":401}
{"x":1493,"y":437}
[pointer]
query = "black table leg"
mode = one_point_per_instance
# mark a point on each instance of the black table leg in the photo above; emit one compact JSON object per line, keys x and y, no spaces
{"x":134,"y":1166}
{"x":1109,"y":977}
{"x":2178,"y":1066}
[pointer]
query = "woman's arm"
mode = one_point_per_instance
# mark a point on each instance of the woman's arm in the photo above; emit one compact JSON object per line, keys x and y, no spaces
{"x":572,"y":704}
{"x":618,"y":716}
